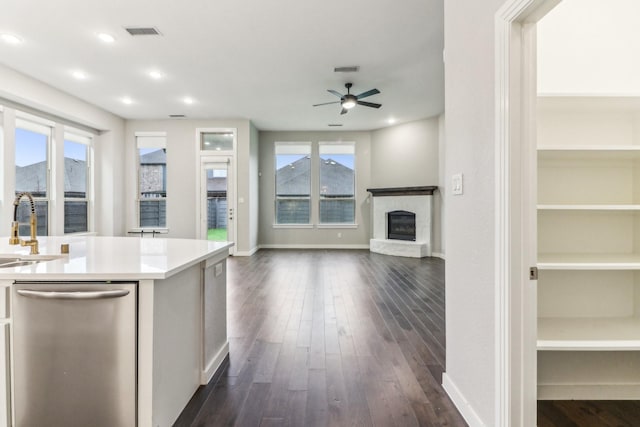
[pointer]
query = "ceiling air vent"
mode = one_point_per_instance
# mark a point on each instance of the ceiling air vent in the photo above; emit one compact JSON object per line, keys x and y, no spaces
{"x":350,"y":69}
{"x":335,"y":125}
{"x":142,"y":31}
{"x":176,"y":116}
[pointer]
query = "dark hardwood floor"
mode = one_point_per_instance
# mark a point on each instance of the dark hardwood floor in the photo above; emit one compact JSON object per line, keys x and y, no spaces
{"x":330,"y":338}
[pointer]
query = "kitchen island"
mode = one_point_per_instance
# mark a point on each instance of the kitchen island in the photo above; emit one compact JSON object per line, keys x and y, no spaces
{"x":180,"y":312}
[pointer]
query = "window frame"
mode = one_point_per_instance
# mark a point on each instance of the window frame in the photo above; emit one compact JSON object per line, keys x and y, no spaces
{"x":78,"y":136}
{"x":151,"y":140}
{"x":291,"y":149}
{"x":344,"y":144}
{"x":44,"y":127}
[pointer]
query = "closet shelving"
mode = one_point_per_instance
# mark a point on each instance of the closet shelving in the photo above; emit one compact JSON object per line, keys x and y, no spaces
{"x":588,"y":248}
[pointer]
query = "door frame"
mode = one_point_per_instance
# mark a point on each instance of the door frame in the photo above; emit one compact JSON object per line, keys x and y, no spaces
{"x":229,"y":157}
{"x":515,"y":210}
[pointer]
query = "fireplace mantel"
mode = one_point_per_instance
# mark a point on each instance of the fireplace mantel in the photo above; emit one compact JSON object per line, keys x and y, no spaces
{"x":403,"y":191}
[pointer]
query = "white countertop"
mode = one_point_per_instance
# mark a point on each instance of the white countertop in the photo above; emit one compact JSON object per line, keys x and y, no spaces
{"x":110,"y":258}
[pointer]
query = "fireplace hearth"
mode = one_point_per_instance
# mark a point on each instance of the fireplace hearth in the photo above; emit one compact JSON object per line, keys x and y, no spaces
{"x":401,"y":225}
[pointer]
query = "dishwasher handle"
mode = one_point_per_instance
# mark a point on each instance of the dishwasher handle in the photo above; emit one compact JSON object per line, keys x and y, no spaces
{"x":73,"y":295}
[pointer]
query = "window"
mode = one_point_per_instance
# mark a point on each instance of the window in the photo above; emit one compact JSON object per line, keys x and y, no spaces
{"x":76,"y":182}
{"x":32,"y":172}
{"x":337,"y":183}
{"x":217,"y":141}
{"x":293,"y":182}
{"x":152,"y":179}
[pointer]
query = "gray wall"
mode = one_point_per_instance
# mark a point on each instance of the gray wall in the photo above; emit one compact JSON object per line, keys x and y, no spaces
{"x":396,"y":156}
{"x":309,"y":237}
{"x":407,"y":155}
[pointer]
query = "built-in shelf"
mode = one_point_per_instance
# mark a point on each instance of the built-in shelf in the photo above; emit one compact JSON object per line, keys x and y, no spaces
{"x":589,"y":334}
{"x":588,"y":261}
{"x":589,"y":152}
{"x":588,"y":242}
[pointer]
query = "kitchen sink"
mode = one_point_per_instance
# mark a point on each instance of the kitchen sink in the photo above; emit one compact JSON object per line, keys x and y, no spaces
{"x":10,"y":261}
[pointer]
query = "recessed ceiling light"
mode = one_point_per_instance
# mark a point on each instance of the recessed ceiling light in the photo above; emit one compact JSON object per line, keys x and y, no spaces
{"x":187,"y":100}
{"x":391,"y":121}
{"x":155,"y":74}
{"x":107,"y":38}
{"x":10,"y":39}
{"x":79,"y":74}
{"x":127,"y":100}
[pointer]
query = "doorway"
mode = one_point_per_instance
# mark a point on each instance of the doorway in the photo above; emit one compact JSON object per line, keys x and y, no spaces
{"x":216,"y":212}
{"x":216,"y":201}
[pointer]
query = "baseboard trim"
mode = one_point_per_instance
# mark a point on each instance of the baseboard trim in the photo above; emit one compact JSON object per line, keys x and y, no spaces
{"x":328,"y":246}
{"x":437,"y":255}
{"x":461,"y":403}
{"x":247,"y":253}
{"x":215,"y":362}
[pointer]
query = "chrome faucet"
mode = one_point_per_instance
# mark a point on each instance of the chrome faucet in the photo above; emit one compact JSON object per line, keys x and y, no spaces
{"x":33,"y":222}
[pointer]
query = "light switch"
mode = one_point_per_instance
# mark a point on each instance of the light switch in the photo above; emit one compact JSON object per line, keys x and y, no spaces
{"x":456,"y":184}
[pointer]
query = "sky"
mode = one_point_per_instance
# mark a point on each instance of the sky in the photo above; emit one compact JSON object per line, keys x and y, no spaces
{"x":31,"y":147}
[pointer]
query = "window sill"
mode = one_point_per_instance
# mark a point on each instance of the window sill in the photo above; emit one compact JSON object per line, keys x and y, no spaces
{"x":337,"y":225}
{"x":292,"y":226}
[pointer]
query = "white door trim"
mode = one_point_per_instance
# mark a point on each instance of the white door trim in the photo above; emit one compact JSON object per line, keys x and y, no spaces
{"x":515,"y":340}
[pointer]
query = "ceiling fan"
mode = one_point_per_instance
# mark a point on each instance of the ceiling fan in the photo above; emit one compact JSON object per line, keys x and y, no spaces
{"x":348,"y":100}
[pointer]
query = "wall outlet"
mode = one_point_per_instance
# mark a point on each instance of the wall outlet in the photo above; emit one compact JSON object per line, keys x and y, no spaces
{"x":456,"y":184}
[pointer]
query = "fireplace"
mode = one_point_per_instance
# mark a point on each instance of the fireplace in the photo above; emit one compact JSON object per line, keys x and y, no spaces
{"x":401,"y":225}
{"x":402,"y":221}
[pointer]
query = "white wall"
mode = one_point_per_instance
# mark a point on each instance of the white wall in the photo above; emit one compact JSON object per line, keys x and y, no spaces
{"x":109,"y":145}
{"x":469,"y":229}
{"x":183,"y":175}
{"x":595,"y":54}
{"x":406,"y":155}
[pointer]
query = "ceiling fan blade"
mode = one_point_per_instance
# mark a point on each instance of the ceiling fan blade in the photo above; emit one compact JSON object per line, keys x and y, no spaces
{"x":344,"y":111}
{"x":368,"y":93}
{"x":327,"y":103}
{"x":338,"y":94}
{"x":369,"y":104}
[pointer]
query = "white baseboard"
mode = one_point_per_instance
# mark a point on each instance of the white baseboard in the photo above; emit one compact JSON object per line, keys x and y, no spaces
{"x":214,"y":364}
{"x":437,"y":255}
{"x":247,"y":253}
{"x":328,"y":246}
{"x":461,"y":403}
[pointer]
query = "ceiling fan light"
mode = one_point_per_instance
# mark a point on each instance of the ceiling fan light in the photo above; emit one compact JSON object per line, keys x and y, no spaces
{"x":348,"y":104}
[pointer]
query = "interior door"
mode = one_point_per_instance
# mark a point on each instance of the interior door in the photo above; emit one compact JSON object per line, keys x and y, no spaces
{"x":217,"y":200}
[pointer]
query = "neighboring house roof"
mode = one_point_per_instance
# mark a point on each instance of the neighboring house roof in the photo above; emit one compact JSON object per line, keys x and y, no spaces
{"x":34,"y":177}
{"x":158,"y":157}
{"x":336,"y":179}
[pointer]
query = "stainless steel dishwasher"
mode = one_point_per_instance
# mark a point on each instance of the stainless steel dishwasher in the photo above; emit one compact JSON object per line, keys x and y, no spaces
{"x":74,"y":354}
